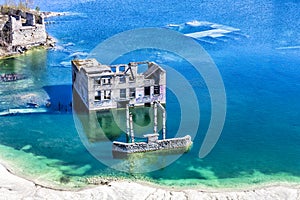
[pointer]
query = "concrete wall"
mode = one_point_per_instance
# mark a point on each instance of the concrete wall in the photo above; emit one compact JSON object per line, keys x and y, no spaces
{"x":168,"y":144}
{"x":23,"y":29}
{"x":87,"y":87}
{"x":31,"y":35}
{"x":139,"y":84}
{"x":80,"y":83}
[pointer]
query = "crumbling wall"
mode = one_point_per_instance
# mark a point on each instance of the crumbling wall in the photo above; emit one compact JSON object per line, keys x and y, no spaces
{"x":4,"y":31}
{"x":31,"y":35}
{"x":168,"y":144}
{"x":80,"y":83}
{"x":22,"y":30}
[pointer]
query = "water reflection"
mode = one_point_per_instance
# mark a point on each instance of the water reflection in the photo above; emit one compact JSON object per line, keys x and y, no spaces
{"x":141,"y":116}
{"x":32,"y":66}
{"x":97,"y":131}
{"x":110,"y":125}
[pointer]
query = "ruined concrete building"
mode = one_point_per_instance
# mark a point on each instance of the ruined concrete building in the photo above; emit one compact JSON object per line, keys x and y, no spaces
{"x":20,"y":30}
{"x":103,"y":87}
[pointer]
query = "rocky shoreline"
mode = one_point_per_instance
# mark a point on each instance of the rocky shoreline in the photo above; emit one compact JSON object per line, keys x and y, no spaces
{"x":4,"y":53}
{"x":48,"y":14}
{"x":14,"y":187}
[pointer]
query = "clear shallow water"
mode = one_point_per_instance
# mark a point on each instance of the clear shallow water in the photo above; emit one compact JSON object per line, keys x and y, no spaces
{"x":261,"y":137}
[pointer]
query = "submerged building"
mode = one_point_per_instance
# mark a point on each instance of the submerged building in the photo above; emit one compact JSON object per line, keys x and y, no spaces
{"x":114,"y":86}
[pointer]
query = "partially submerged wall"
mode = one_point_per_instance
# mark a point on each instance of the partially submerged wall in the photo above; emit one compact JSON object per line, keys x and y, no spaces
{"x":168,"y":144}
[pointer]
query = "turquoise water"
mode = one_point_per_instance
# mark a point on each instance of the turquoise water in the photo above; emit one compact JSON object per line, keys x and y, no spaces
{"x":260,"y":69}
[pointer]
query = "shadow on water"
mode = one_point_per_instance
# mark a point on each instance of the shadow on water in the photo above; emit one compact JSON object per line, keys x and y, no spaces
{"x":32,"y":67}
{"x":60,"y":97}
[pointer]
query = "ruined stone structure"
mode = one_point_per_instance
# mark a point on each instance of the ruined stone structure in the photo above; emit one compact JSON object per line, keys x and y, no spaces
{"x":103,"y":87}
{"x":21,"y":30}
{"x":182,"y":143}
{"x":173,"y":145}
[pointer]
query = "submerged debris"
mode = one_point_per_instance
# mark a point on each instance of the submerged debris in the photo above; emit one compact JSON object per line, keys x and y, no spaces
{"x":98,"y":180}
{"x":64,"y":179}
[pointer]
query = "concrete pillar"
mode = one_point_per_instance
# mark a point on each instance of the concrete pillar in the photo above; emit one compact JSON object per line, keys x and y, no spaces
{"x":164,"y":120}
{"x":155,"y":117}
{"x":127,"y":121}
{"x":151,"y":91}
{"x":131,"y":128}
{"x":102,"y":95}
{"x":164,"y":125}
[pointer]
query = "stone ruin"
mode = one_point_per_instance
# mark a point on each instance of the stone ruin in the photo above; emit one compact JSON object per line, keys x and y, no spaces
{"x":20,"y":30}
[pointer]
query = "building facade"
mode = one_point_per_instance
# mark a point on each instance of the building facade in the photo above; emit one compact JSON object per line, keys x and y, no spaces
{"x":103,"y":87}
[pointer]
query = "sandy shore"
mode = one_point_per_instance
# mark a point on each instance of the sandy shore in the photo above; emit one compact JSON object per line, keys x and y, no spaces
{"x":14,"y":187}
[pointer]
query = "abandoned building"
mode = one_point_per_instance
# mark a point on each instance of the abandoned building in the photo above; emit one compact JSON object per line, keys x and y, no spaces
{"x":20,"y":30}
{"x":103,"y":87}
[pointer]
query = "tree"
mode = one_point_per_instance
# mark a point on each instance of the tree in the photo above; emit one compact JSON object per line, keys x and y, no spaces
{"x":9,"y":3}
{"x":22,"y":4}
{"x":28,"y":3}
